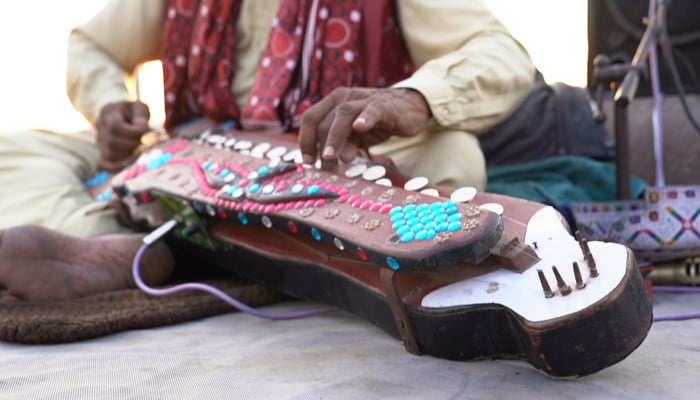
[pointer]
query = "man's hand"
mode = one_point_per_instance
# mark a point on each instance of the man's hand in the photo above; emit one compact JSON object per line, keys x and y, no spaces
{"x":119,"y":129}
{"x":351,"y":119}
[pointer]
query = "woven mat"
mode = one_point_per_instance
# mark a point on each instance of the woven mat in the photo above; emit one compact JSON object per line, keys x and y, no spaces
{"x":117,"y":311}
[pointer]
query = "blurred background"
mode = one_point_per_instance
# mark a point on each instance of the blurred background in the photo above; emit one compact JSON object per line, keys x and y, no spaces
{"x":33,"y":35}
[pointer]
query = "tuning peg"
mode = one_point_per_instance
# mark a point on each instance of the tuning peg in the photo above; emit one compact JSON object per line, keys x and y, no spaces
{"x":563,"y":287}
{"x":580,"y":284}
{"x":545,"y":285}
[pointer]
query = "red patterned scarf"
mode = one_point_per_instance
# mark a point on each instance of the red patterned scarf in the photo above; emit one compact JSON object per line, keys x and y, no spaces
{"x":314,"y":47}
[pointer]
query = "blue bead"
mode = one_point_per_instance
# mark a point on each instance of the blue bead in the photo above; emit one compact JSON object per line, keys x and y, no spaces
{"x":206,"y":164}
{"x":397,"y":217}
{"x":98,"y":179}
{"x":398,"y":224}
{"x":450,"y":204}
{"x":442,"y":227}
{"x":224,"y":172}
{"x":454,"y":218}
{"x":422,"y":235}
{"x":313,"y":189}
{"x":426,"y":220}
{"x":417,"y":228}
{"x":454,"y":226}
{"x":440,"y":218}
{"x":451,"y":210}
{"x":403,"y":230}
{"x":412,"y":221}
{"x":316,"y":234}
{"x":227,"y":125}
{"x":425,"y":213}
{"x":410,"y":215}
{"x":421,"y":207}
{"x":105,"y":196}
{"x":232,"y":189}
{"x":430,"y":234}
{"x":152,"y":165}
{"x":407,"y":237}
{"x":392,"y":263}
{"x":255,"y":187}
{"x":243,"y":218}
{"x":395,"y":210}
{"x":409,"y":208}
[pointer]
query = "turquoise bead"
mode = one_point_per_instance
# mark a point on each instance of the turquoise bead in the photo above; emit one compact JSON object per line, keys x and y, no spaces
{"x":407,"y":237}
{"x":417,"y":228}
{"x":412,"y":221}
{"x":392,"y":263}
{"x":454,"y":226}
{"x":454,"y":218}
{"x":403,"y":230}
{"x":397,"y":218}
{"x":243,"y":218}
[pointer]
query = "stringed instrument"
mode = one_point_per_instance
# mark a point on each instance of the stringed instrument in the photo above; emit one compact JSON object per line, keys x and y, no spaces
{"x":452,"y":273}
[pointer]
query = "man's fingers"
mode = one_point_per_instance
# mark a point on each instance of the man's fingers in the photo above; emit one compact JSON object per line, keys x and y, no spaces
{"x":340,"y":129}
{"x":139,"y":115}
{"x":139,"y":110}
{"x":309,"y":129}
{"x":311,"y":137}
{"x":351,"y":150}
{"x":115,"y":125}
{"x":369,"y":118}
{"x":113,"y":166}
{"x":121,"y":144}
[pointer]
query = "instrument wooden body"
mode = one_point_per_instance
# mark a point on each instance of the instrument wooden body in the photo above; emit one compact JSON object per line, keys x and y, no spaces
{"x":473,"y":291}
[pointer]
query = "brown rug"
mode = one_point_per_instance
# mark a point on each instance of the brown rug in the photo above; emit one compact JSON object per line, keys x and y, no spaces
{"x":112,"y":312}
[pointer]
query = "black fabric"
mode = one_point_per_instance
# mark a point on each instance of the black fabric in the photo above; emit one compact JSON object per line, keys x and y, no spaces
{"x":554,"y":120}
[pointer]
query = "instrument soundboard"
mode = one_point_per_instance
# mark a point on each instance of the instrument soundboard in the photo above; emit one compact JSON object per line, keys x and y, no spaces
{"x":355,"y":209}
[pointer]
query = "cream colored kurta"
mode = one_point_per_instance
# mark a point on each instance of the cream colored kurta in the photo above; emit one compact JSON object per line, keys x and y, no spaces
{"x":471,"y":71}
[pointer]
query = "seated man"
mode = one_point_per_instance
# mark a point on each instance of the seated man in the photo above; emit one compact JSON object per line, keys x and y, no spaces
{"x":343,"y":74}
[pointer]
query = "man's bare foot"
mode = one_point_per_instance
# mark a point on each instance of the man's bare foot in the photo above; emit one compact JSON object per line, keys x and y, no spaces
{"x":39,"y":265}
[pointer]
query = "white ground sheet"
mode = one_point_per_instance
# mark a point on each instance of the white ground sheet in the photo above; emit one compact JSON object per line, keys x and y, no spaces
{"x":332,"y":356}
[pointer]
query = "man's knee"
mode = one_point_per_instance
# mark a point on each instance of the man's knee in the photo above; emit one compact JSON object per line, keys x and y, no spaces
{"x":45,"y":172}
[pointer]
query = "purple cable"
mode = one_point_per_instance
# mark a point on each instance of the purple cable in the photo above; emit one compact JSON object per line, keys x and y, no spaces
{"x":676,"y":289}
{"x":216,"y":292}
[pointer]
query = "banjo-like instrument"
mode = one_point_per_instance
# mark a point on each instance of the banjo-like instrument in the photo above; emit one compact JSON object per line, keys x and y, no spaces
{"x":451,"y":273}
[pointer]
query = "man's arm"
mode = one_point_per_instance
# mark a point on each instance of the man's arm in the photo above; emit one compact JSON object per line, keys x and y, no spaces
{"x":471,"y":75}
{"x":104,"y":51}
{"x":471,"y":71}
